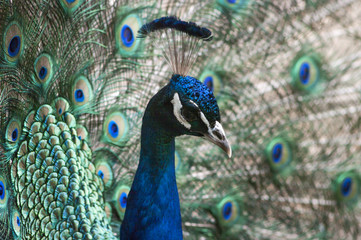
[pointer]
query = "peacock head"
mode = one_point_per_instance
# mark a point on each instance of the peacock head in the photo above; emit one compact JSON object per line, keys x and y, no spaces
{"x":195,"y":111}
{"x":185,"y":105}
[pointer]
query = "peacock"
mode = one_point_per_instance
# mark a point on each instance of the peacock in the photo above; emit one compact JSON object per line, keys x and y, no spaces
{"x":88,"y":87}
{"x":184,"y":106}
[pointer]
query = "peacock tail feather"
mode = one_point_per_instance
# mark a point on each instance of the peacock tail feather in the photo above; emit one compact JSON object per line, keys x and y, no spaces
{"x":75,"y":81}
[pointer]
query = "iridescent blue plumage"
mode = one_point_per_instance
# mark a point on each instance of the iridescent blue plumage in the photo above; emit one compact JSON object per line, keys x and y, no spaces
{"x":175,"y":23}
{"x":153,"y":210}
{"x":199,"y":93}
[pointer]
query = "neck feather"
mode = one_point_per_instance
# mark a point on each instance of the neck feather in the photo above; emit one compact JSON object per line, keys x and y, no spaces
{"x":153,"y":210}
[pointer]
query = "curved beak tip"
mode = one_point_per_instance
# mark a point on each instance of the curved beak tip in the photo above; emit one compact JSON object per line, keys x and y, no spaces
{"x":226,"y":147}
{"x":218,"y":137}
{"x":229,"y":152}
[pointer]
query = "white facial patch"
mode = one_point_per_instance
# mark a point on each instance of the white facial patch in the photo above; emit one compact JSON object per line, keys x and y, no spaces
{"x":177,"y":106}
{"x":194,"y":103}
{"x":205,"y":120}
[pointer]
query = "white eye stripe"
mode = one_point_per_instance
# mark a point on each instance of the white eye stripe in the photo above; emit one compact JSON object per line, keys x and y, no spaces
{"x":194,"y":103}
{"x":177,"y":106}
{"x":205,"y":120}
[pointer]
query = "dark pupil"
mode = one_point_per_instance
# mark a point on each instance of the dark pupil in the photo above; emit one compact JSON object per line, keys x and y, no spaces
{"x":127,"y":34}
{"x":277,"y":153}
{"x":14,"y":43}
{"x":14,"y":135}
{"x":79,"y":93}
{"x":124,"y":200}
{"x":346,"y":186}
{"x":18,"y":221}
{"x":101,"y":174}
{"x":228,"y":210}
{"x":42,"y":72}
{"x":1,"y":190}
{"x":305,"y":72}
{"x":114,"y":128}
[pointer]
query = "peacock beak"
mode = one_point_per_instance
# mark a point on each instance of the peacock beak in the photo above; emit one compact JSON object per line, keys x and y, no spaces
{"x":217,"y":136}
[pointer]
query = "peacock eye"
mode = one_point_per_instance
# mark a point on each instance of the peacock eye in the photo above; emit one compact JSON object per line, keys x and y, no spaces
{"x":188,"y":115}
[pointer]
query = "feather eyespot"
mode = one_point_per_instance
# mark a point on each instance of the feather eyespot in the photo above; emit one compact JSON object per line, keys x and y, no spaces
{"x":104,"y":171}
{"x":44,"y":68}
{"x":82,"y":91}
{"x":306,"y":73}
{"x":3,"y":193}
{"x":347,"y":187}
{"x":13,"y":131}
{"x":126,"y":33}
{"x":13,"y":42}
{"x":16,"y":222}
{"x":228,"y":212}
{"x":121,"y":198}
{"x":279,"y":154}
{"x":212,"y":80}
{"x":115,"y":127}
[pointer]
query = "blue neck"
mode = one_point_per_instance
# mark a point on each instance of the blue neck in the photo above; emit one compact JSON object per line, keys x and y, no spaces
{"x":153,"y":210}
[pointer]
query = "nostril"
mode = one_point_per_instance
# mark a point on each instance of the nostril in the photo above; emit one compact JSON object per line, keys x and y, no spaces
{"x":218,"y":135}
